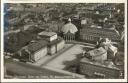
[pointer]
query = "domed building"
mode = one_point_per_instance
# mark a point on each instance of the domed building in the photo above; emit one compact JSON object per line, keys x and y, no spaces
{"x":69,"y":31}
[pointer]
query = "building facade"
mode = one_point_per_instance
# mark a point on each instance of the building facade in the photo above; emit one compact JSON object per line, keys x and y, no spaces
{"x":34,"y":51}
{"x":93,"y":34}
{"x":55,"y":46}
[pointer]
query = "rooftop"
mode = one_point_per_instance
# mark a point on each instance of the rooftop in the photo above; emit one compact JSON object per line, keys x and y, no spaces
{"x":37,"y":45}
{"x":44,"y":33}
{"x":97,"y":52}
{"x":99,"y":32}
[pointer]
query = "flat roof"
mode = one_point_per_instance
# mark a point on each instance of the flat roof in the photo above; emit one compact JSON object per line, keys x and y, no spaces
{"x":44,"y":33}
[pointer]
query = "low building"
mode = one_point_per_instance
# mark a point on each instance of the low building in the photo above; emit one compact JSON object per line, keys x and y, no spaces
{"x":34,"y":51}
{"x":97,"y":70}
{"x":93,"y":34}
{"x":55,"y":43}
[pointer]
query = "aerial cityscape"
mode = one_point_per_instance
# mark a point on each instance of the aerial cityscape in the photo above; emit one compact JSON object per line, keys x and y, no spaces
{"x":64,"y":40}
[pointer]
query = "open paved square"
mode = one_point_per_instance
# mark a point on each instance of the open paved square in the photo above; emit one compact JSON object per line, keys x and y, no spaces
{"x":69,"y":55}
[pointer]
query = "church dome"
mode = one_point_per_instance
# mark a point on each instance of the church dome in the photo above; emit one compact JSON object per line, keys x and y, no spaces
{"x":69,"y":27}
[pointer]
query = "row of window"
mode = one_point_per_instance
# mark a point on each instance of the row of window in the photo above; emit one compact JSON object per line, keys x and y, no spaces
{"x":98,"y":32}
{"x":96,"y":37}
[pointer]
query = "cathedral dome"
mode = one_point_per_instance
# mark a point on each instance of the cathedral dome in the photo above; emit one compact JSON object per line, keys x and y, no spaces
{"x":69,"y":27}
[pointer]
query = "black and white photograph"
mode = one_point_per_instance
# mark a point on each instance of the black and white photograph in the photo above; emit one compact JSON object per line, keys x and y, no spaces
{"x":64,"y":40}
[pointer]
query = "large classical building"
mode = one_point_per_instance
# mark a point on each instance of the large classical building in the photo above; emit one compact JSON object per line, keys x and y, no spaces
{"x":93,"y":34}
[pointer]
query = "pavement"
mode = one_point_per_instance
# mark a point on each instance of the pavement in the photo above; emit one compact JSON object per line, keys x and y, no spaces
{"x":69,"y":55}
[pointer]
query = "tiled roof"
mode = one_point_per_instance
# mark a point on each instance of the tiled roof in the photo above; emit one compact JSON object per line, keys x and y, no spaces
{"x":96,"y":32}
{"x":37,"y":45}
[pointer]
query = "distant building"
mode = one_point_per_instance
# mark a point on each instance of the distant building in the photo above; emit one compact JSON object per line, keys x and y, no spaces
{"x":93,"y":34}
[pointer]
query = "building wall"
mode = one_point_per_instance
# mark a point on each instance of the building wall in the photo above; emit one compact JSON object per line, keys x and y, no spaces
{"x":52,"y":49}
{"x":88,"y":37}
{"x":56,"y":47}
{"x":95,"y":70}
{"x":60,"y":45}
{"x":93,"y":35}
{"x":39,"y":54}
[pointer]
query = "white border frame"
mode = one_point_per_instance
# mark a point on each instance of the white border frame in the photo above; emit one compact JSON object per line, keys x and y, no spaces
{"x":63,"y":1}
